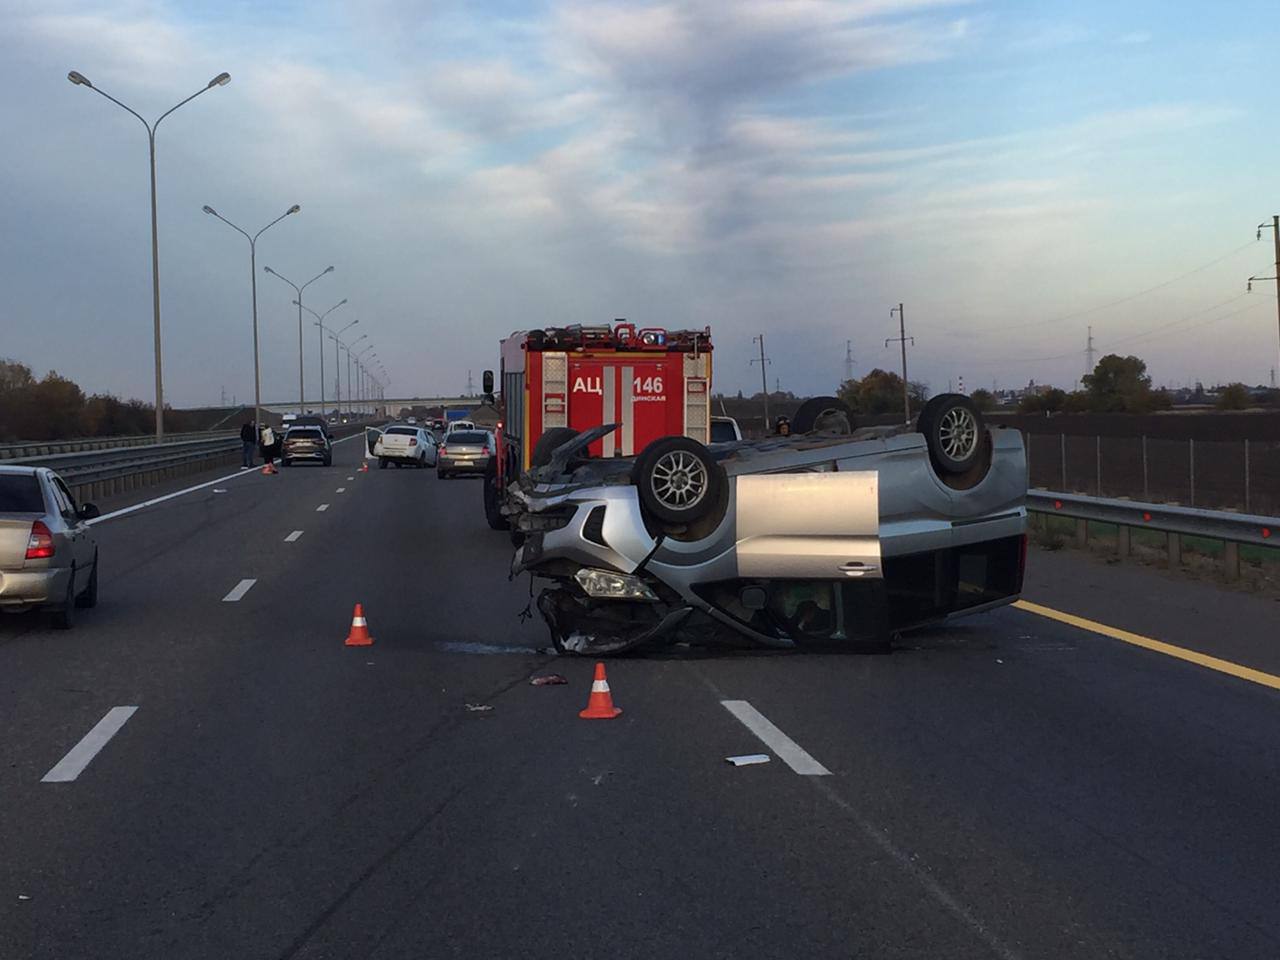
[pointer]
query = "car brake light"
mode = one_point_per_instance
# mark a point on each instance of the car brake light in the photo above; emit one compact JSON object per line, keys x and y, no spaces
{"x":40,"y":543}
{"x":413,"y":441}
{"x":444,"y":449}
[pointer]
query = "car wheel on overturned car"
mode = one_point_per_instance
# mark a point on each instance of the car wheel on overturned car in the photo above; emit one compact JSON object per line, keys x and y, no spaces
{"x":823,"y":413}
{"x":956,"y":435}
{"x":678,"y":481}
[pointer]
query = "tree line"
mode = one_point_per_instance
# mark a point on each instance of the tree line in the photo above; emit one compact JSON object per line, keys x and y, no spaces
{"x":55,"y":408}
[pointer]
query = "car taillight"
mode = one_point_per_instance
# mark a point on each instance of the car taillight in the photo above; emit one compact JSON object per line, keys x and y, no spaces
{"x":40,"y":543}
{"x":413,"y":441}
{"x":444,"y":450}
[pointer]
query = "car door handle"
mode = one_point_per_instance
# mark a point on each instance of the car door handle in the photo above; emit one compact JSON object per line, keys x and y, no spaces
{"x":856,"y":568}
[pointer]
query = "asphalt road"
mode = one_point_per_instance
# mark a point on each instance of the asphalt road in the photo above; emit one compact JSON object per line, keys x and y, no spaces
{"x":1005,"y":787}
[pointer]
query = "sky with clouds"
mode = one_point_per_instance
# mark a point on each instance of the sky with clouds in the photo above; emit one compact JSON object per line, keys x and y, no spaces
{"x":1012,"y":171}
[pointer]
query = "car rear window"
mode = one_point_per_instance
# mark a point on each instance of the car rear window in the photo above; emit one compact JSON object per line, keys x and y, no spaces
{"x":403,"y":431}
{"x":304,"y":435}
{"x":20,"y":493}
{"x":467,"y":436}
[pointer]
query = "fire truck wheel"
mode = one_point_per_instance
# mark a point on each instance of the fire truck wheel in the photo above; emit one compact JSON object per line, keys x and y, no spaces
{"x":678,"y":480}
{"x":823,"y":413}
{"x":547,"y":444}
{"x":953,"y":429}
{"x":492,"y":515}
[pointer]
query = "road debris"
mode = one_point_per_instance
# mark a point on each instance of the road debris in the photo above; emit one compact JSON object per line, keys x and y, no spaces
{"x":23,"y":896}
{"x":748,"y":759}
{"x":547,"y":680}
{"x":479,"y":707}
{"x":219,"y":490}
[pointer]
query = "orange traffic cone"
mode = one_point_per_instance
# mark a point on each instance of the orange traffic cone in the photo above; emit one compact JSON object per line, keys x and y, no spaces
{"x":359,"y":635}
{"x":600,"y":703}
{"x":266,"y":470}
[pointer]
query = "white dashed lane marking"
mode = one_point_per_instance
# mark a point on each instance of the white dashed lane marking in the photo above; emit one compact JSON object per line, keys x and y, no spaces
{"x":322,"y":508}
{"x":341,"y":490}
{"x":788,"y":751}
{"x":238,"y":591}
{"x":293,"y":536}
{"x":79,"y":756}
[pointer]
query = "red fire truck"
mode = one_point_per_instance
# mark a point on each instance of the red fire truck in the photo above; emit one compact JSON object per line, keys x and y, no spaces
{"x":653,"y":382}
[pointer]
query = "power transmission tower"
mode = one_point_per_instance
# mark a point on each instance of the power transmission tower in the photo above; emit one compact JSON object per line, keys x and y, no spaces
{"x":1275,"y":229}
{"x":1089,"y":352}
{"x":848,"y":360}
{"x":764,"y":378}
{"x":902,"y":338}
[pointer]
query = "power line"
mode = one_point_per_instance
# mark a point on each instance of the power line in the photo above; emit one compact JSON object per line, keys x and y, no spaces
{"x":1121,"y":300}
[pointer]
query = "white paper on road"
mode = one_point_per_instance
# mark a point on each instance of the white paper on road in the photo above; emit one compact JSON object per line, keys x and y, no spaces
{"x":73,"y":764}
{"x":788,"y":751}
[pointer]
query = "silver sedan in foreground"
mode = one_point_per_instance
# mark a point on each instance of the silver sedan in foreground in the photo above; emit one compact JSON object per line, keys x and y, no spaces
{"x":48,"y":554}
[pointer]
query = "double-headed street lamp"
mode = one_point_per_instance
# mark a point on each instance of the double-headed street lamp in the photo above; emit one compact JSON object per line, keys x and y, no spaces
{"x":302,"y":393}
{"x":320,"y":323}
{"x":221,"y":80}
{"x":253,"y":280}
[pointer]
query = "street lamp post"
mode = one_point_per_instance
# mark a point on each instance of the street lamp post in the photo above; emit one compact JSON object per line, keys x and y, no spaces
{"x":253,"y":280}
{"x":320,"y":323}
{"x":302,"y":393}
{"x":360,"y":369}
{"x":221,"y":80}
{"x":347,"y":348}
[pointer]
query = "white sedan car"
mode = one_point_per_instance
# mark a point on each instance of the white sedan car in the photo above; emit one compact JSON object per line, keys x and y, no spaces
{"x":404,"y":445}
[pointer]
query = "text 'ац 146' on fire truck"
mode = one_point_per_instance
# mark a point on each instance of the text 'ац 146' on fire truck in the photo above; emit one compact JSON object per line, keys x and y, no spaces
{"x":559,"y":381}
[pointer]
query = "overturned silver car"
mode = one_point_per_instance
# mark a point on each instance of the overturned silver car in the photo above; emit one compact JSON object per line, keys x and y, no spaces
{"x":831,"y":537}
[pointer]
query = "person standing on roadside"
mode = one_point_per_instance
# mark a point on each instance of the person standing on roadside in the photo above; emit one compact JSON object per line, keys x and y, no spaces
{"x":267,"y":441}
{"x":248,"y":441}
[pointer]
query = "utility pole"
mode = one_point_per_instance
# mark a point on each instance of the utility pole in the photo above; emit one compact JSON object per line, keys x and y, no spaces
{"x":764,"y":378}
{"x":1088,"y":353}
{"x":902,"y":338}
{"x":471,"y":385}
{"x":1275,"y":229}
{"x":848,"y":360}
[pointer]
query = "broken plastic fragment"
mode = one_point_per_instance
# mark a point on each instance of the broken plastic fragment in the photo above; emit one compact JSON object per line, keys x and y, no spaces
{"x":478,"y":707}
{"x":746,"y":761}
{"x":547,"y":680}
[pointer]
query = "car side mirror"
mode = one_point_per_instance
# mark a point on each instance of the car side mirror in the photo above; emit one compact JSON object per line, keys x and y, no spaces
{"x":88,"y":511}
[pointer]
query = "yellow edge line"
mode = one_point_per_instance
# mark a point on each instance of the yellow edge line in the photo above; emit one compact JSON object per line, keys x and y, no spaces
{"x":1168,"y":649}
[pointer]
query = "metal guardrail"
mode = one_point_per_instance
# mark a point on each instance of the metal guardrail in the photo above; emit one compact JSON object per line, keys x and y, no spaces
{"x":100,"y":473}
{"x":94,"y":474}
{"x":44,"y":448}
{"x":1175,"y":522}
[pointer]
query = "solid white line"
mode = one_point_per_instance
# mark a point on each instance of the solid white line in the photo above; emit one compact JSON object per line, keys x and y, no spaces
{"x":788,"y":751}
{"x":78,"y":757}
{"x":293,"y":536}
{"x":322,"y":508}
{"x":238,"y":591}
{"x":342,"y":490}
{"x":124,"y":511}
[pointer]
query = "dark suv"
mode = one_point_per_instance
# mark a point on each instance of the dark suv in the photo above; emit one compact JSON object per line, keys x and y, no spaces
{"x":306,"y":443}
